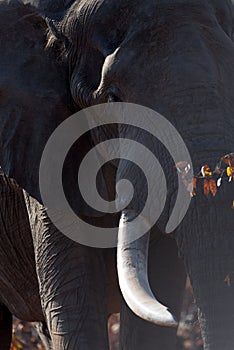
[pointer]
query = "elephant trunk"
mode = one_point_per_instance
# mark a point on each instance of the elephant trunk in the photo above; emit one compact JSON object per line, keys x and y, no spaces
{"x":132,"y":257}
{"x":213,"y":290}
{"x":205,"y":240}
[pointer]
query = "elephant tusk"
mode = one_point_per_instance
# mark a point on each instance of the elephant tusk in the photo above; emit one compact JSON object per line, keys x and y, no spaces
{"x":132,"y":260}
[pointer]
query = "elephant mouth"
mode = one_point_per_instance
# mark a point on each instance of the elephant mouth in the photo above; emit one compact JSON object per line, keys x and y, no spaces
{"x":132,"y":258}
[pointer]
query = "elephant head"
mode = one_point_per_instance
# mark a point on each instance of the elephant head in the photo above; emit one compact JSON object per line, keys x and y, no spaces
{"x":172,"y":56}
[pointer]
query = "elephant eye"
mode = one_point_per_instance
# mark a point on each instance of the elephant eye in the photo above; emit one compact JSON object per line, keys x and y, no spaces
{"x":114,"y":94}
{"x":108,"y":95}
{"x":114,"y":98}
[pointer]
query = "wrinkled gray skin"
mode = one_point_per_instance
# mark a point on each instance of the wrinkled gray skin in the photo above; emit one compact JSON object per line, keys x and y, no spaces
{"x":175,"y":57}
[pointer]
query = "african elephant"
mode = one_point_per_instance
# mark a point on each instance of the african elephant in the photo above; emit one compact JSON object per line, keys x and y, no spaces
{"x":174,"y":57}
{"x":35,"y":99}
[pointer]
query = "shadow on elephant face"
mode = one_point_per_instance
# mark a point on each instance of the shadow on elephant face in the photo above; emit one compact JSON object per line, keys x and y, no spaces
{"x":129,"y":60}
{"x":167,"y":55}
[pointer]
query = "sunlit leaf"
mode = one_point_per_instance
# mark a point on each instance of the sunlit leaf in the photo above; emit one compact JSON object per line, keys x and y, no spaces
{"x":229,"y":171}
{"x":205,"y":171}
{"x":213,"y":187}
{"x":227,"y":280}
{"x":183,"y":168}
{"x":206,"y":187}
{"x":229,"y":159}
{"x":194,"y":183}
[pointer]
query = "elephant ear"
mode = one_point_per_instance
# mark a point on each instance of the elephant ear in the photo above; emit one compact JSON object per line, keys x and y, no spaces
{"x":34,"y":99}
{"x":34,"y":93}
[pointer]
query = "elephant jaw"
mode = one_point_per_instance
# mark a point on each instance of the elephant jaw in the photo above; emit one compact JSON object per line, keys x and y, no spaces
{"x":132,"y":258}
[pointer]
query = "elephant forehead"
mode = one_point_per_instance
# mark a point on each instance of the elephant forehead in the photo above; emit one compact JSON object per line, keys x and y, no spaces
{"x":150,"y":28}
{"x":137,"y":16}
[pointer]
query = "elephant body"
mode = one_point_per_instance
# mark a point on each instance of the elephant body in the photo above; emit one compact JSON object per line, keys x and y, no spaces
{"x":173,"y":57}
{"x":19,"y":293}
{"x":17,"y":282}
{"x":27,"y":292}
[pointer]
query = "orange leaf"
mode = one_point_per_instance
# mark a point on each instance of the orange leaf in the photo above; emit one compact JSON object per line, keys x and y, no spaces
{"x":194,"y":183}
{"x":206,"y":187}
{"x":213,"y":187}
